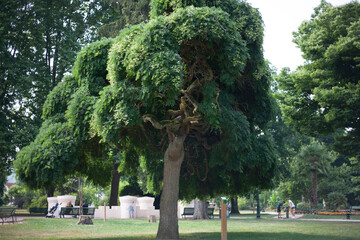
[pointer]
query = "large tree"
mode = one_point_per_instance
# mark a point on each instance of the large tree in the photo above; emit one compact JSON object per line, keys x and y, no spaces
{"x":189,"y":91}
{"x":323,"y":96}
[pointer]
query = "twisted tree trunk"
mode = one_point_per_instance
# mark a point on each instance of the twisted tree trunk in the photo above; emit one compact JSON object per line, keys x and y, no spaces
{"x":174,"y":156}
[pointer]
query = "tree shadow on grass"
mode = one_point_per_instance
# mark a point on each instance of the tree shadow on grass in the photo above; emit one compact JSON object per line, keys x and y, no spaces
{"x":240,"y":236}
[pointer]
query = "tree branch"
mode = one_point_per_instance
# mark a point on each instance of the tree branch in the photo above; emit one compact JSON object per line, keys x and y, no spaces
{"x":153,"y":121}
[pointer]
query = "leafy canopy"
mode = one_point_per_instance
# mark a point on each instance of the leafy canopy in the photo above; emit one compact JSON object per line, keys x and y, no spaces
{"x":323,"y":96}
{"x":64,"y":145}
{"x":200,"y":67}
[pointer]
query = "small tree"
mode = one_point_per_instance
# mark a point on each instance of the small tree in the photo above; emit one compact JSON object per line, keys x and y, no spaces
{"x":313,"y":159}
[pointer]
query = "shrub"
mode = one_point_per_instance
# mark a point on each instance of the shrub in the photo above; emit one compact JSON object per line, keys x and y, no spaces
{"x":41,"y":202}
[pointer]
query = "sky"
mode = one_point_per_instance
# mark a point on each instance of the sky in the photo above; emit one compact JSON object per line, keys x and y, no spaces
{"x":281,"y":19}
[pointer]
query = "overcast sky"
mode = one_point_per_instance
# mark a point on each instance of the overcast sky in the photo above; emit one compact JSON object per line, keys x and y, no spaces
{"x":281,"y":18}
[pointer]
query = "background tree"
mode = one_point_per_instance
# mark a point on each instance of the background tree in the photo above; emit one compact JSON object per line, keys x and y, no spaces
{"x":129,"y":13}
{"x":64,"y":145}
{"x":189,"y":91}
{"x":314,"y":159}
{"x":39,"y":42}
{"x":323,"y":95}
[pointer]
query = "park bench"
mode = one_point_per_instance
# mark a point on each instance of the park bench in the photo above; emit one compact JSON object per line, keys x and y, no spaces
{"x":354,"y":210}
{"x":7,"y":212}
{"x":189,"y":211}
{"x":42,"y":211}
{"x":75,"y":211}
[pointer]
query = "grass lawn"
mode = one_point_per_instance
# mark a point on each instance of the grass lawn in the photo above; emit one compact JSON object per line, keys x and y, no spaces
{"x":264,"y":228}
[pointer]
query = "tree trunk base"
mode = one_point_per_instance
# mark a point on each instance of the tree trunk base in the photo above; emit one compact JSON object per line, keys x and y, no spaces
{"x":85,"y":220}
{"x":152,"y":219}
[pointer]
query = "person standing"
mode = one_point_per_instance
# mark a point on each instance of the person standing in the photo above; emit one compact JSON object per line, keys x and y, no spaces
{"x":292,"y":207}
{"x":131,"y":211}
{"x":279,"y":208}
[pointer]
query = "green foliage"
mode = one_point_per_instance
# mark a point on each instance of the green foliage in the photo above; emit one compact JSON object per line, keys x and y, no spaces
{"x":323,"y":95}
{"x":57,"y":100}
{"x":64,"y":145}
{"x":39,"y":42}
{"x":206,"y":60}
{"x":242,"y":202}
{"x":49,"y":159}
{"x":132,"y":189}
{"x":314,"y":157}
{"x":90,"y":66}
{"x":335,"y":200}
{"x":313,"y":161}
{"x":127,"y":12}
{"x":22,"y":196}
{"x":90,"y":195}
{"x":40,"y":202}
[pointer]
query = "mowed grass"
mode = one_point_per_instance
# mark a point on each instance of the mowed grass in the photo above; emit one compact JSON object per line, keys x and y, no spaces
{"x":264,"y":228}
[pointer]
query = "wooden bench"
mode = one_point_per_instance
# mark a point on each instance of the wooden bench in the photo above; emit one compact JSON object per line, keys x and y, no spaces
{"x":189,"y":211}
{"x":75,"y":211}
{"x":42,"y":211}
{"x":7,"y":212}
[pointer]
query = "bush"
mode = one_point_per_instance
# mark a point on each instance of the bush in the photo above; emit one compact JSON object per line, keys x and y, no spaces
{"x":335,"y":200}
{"x":242,"y":202}
{"x":132,"y":189}
{"x":41,"y":202}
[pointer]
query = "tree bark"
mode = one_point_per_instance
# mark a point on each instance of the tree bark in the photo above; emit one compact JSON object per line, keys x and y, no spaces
{"x":50,"y":192}
{"x":314,"y":186}
{"x":200,"y":209}
{"x":174,"y":156}
{"x":114,"y":193}
{"x":234,"y":205}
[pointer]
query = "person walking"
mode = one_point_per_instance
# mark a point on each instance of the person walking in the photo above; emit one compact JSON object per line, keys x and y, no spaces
{"x":280,"y":206}
{"x":292,"y":207}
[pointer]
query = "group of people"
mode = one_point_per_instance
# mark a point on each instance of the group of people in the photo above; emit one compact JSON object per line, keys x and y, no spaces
{"x":291,"y":206}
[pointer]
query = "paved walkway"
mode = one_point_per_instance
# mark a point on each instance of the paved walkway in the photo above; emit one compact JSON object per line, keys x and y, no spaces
{"x":290,"y":217}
